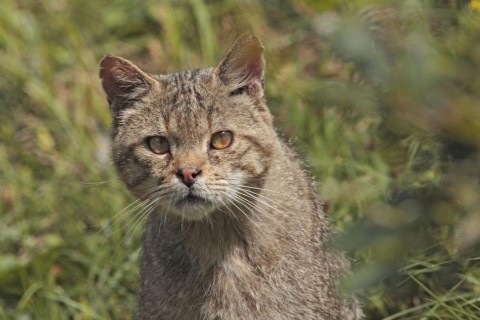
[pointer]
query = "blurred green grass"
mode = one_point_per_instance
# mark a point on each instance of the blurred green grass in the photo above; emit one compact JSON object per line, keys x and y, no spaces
{"x":381,"y":98}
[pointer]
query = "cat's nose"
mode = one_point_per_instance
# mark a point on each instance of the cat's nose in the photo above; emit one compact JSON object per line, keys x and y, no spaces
{"x":188,"y":175}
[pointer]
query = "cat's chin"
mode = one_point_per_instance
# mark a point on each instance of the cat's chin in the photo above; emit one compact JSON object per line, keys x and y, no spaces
{"x":192,"y":208}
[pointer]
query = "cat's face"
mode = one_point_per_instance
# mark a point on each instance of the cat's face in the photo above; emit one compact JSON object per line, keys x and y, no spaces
{"x":192,"y":142}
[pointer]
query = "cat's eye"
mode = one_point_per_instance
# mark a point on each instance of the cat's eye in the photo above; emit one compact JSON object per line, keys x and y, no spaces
{"x":221,"y":140}
{"x":158,"y":145}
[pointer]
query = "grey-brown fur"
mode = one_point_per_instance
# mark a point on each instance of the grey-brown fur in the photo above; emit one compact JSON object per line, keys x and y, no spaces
{"x":255,"y":246}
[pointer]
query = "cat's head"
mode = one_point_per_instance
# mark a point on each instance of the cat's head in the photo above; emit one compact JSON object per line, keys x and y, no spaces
{"x":194,"y":141}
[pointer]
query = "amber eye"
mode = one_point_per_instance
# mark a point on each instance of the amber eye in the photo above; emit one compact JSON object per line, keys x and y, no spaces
{"x":221,"y":140}
{"x":158,"y":145}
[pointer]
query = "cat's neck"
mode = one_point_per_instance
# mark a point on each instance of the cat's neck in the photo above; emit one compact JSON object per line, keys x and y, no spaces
{"x":210,"y":241}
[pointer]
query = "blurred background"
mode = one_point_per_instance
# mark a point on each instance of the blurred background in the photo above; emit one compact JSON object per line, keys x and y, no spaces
{"x":380,"y":97}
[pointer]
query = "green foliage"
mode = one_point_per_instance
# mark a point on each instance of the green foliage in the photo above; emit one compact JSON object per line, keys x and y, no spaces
{"x":382,"y":100}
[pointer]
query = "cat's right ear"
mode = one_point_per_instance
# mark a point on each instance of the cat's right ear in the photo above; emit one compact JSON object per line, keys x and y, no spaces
{"x":123,"y":82}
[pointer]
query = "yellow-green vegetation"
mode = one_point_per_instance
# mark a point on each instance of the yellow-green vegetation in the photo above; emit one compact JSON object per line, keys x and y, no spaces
{"x":381,"y":97}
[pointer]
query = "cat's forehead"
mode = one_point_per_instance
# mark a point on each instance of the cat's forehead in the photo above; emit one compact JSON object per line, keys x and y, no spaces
{"x":185,"y":89}
{"x":187,"y":92}
{"x":184,"y":103}
{"x":191,"y":104}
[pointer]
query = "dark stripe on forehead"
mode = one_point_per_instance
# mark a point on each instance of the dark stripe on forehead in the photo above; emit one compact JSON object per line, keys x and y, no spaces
{"x":181,"y":83}
{"x":210,"y":110}
{"x":184,"y":84}
{"x":198,"y":96}
{"x":187,"y":93}
{"x":166,"y":118}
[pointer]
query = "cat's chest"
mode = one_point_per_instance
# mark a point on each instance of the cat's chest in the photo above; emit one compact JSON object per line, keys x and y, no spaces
{"x":241,"y":289}
{"x":229,"y":289}
{"x":246,"y":283}
{"x":237,"y":288}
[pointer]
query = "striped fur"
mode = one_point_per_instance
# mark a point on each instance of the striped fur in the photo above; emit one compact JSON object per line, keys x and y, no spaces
{"x":255,"y":246}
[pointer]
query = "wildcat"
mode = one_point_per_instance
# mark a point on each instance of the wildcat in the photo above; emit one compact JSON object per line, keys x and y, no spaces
{"x":235,"y":229}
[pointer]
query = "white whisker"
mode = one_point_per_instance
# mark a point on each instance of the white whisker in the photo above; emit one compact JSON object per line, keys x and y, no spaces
{"x":137,"y":219}
{"x":264,"y":213}
{"x":232,"y":201}
{"x":264,"y":200}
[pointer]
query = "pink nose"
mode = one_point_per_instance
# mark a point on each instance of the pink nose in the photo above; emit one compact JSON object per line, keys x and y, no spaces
{"x":188,"y":175}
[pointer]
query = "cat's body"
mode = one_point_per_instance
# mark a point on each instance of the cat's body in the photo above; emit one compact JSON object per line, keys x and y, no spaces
{"x":237,"y":231}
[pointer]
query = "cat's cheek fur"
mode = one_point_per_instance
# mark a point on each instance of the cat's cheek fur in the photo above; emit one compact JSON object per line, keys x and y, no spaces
{"x":140,"y":168}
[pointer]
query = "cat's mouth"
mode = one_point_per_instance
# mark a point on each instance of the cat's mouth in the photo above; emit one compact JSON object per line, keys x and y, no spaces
{"x":190,"y":204}
{"x":192,"y":199}
{"x":193,"y":207}
{"x":193,"y":202}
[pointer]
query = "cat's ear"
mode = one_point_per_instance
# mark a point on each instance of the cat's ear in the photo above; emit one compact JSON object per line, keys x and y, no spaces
{"x":123,"y":82}
{"x":242,"y":68}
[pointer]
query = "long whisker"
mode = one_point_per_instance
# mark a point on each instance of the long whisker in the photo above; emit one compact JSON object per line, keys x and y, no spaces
{"x":232,"y":201}
{"x":141,"y":216}
{"x":138,"y":203}
{"x":264,"y":213}
{"x":95,"y":183}
{"x":119,"y":213}
{"x":133,"y":217}
{"x":262,"y":189}
{"x":119,"y":217}
{"x":162,"y":189}
{"x":252,"y":188}
{"x":232,"y":214}
{"x":264,"y":200}
{"x":146,"y":198}
{"x":215,"y":206}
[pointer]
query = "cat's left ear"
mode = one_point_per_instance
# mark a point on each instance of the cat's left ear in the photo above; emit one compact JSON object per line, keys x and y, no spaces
{"x":123,"y":82}
{"x":242,"y":68}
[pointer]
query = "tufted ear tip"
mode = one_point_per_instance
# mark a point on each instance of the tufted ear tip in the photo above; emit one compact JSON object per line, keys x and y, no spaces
{"x":243,"y":65}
